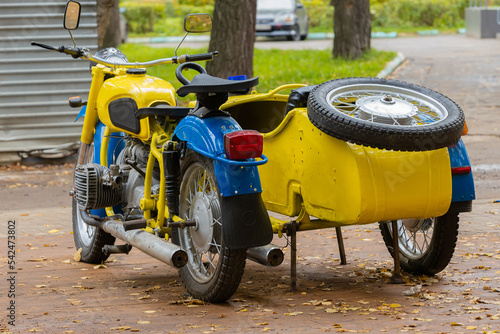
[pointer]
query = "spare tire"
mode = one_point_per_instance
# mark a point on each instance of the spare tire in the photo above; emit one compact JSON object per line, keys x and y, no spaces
{"x":385,"y":114}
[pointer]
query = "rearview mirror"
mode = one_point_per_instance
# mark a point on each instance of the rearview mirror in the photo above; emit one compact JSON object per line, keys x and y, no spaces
{"x":72,"y":15}
{"x":198,"y":23}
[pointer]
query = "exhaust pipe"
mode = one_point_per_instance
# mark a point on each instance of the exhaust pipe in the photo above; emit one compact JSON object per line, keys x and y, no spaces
{"x":150,"y":244}
{"x":269,"y":255}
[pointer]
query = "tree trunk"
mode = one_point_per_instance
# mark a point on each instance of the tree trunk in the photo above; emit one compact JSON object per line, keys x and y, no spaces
{"x":352,"y":28}
{"x":108,"y":23}
{"x":233,"y":35}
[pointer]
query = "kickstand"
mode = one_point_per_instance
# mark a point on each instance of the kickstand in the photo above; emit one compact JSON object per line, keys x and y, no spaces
{"x":396,"y":275}
{"x":293,"y":255}
{"x":340,"y":241}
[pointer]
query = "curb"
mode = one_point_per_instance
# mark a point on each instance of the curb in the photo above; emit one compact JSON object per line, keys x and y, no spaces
{"x":206,"y":38}
{"x":391,"y":66}
{"x":313,"y":36}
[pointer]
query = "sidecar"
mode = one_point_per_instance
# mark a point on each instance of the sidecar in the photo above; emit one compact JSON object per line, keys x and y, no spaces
{"x":328,"y":179}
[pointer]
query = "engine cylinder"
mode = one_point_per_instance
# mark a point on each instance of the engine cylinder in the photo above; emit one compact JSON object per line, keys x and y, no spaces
{"x":90,"y":190}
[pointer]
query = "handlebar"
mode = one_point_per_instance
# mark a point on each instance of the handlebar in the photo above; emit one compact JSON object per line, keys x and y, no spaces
{"x":198,"y":57}
{"x":77,"y":52}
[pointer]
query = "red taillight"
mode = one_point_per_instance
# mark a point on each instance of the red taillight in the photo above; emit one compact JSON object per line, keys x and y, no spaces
{"x":244,"y":144}
{"x":460,"y":170}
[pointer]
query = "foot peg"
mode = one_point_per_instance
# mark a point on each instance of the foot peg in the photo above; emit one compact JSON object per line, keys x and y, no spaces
{"x":116,"y":249}
{"x":134,"y":224}
{"x":181,"y":224}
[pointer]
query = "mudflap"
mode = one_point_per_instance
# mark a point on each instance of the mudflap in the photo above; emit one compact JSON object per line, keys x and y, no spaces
{"x":245,"y":222}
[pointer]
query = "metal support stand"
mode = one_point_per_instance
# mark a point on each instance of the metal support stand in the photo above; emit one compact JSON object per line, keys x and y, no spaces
{"x":293,"y":259}
{"x":396,"y":275}
{"x":340,"y":242}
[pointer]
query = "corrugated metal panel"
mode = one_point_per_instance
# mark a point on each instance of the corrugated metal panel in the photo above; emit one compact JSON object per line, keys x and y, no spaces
{"x":35,"y":83}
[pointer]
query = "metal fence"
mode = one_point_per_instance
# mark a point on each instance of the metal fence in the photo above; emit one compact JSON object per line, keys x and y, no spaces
{"x":478,"y":3}
{"x":35,"y":83}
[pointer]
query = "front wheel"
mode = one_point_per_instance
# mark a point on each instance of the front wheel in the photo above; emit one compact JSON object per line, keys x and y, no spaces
{"x":90,"y":239}
{"x":386,"y":114}
{"x":213,"y":271}
{"x":426,"y":246}
{"x":295,"y":33}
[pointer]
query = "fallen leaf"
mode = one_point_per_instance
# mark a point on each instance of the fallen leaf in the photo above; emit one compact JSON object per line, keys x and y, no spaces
{"x":294,"y":313}
{"x":78,"y":255}
{"x":143,"y":322}
{"x":100,"y":266}
{"x":54,"y":231}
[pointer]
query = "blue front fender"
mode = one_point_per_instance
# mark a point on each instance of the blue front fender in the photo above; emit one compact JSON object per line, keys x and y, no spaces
{"x":206,"y":136}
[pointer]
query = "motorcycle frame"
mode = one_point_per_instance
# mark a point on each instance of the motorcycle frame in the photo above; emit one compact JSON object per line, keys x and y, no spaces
{"x":202,"y":135}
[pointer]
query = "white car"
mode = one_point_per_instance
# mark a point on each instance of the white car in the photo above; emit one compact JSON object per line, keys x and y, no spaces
{"x":282,"y":18}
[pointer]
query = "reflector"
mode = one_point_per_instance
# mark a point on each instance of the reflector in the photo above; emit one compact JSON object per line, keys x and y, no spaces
{"x":244,"y":144}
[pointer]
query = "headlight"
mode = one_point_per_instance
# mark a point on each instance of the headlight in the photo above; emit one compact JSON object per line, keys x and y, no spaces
{"x":285,"y":18}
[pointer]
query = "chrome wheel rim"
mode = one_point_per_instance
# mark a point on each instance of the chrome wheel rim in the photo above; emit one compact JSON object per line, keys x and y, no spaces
{"x":85,"y":230}
{"x":386,"y":104}
{"x":203,"y":242}
{"x":415,"y":236}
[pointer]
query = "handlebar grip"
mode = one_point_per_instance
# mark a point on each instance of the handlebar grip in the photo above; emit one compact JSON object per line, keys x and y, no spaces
{"x":45,"y":46}
{"x":198,"y":57}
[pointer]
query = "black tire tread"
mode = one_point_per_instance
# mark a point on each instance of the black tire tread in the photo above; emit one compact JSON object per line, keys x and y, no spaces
{"x":94,"y":253}
{"x":230,"y":266}
{"x":440,"y":251}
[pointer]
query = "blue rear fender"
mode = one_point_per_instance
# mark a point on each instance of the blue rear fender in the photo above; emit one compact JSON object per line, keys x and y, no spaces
{"x":206,"y":136}
{"x":245,"y":219}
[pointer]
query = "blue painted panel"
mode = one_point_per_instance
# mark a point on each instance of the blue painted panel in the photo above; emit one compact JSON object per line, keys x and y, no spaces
{"x":462,"y":184}
{"x":207,"y":135}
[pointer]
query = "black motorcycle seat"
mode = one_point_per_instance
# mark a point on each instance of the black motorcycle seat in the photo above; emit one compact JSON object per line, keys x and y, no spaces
{"x":204,"y":83}
{"x":170,"y":111}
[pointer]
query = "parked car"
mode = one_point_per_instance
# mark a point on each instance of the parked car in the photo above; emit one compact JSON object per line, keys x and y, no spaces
{"x":282,"y":18}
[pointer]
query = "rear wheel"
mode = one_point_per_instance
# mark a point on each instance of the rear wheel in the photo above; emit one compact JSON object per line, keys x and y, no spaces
{"x":213,"y":271}
{"x":89,"y":238}
{"x":426,"y":246}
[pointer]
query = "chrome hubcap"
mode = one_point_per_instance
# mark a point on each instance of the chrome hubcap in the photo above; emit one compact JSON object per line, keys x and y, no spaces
{"x":387,"y":104}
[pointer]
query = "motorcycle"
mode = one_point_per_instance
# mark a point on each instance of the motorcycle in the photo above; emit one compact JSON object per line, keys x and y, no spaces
{"x":184,"y":184}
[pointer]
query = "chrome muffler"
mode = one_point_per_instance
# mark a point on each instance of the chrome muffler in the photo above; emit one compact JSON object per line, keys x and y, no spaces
{"x":269,"y":255}
{"x":150,"y":244}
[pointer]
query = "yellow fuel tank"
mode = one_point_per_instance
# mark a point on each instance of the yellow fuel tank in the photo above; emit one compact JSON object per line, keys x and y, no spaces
{"x":118,"y":94}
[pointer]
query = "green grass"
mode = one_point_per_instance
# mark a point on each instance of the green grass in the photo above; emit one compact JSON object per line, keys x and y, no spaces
{"x":275,"y":67}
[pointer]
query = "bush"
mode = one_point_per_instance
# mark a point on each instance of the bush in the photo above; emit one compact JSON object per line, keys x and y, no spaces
{"x":141,"y":17}
{"x":163,"y":17}
{"x":320,"y":15}
{"x":418,"y":13}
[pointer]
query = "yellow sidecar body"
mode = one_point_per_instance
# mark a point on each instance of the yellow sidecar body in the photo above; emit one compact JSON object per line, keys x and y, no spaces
{"x":337,"y":181}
